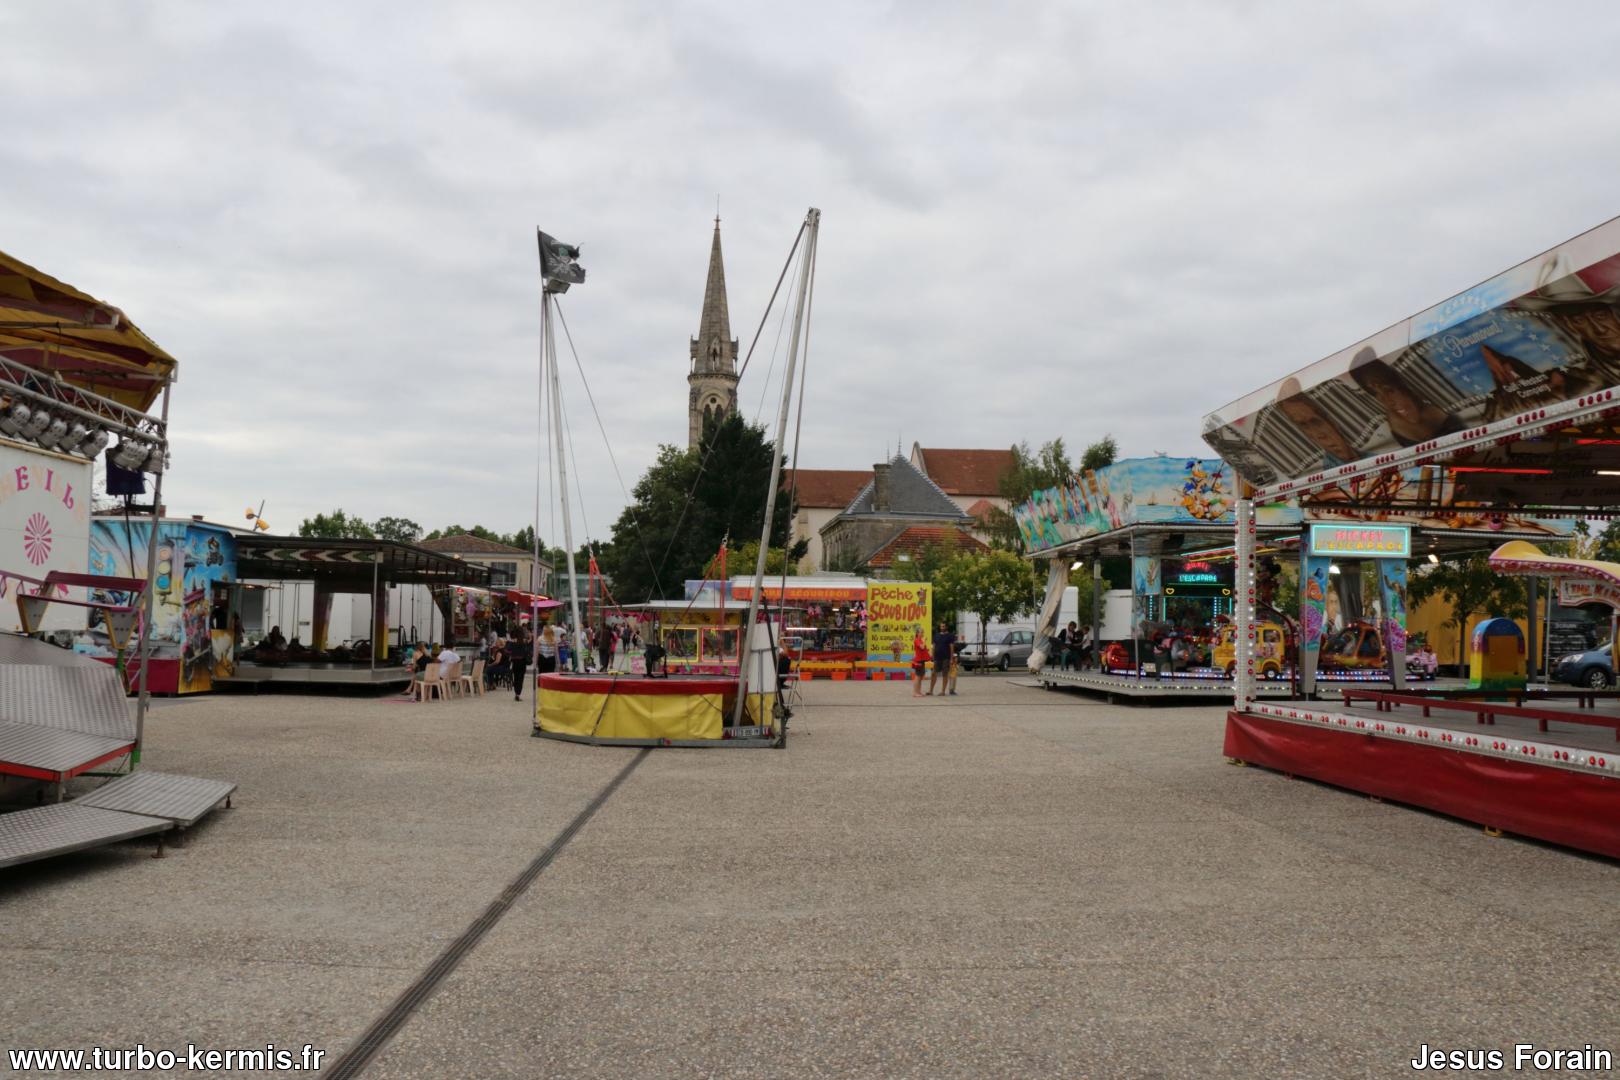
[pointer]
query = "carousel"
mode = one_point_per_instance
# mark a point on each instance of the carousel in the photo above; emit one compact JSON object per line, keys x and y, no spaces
{"x":1510,"y":393}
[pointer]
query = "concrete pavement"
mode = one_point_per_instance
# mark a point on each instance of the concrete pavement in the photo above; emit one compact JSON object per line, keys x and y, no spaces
{"x":1011,"y":882}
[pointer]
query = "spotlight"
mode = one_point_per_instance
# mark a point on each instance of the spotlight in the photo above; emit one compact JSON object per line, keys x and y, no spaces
{"x":14,"y":417}
{"x":1077,"y":564}
{"x":156,"y":461}
{"x":76,"y":434}
{"x":37,"y":423}
{"x":130,"y":453}
{"x":1333,"y":568}
{"x":1433,"y":558}
{"x":94,"y":443}
{"x":53,"y":434}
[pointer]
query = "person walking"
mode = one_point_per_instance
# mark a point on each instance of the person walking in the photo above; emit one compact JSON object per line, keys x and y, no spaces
{"x":548,"y":650}
{"x":944,"y":650}
{"x":605,"y":640}
{"x":517,"y":654}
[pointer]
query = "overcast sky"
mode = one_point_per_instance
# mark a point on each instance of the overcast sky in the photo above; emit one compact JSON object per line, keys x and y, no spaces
{"x":1051,"y":219}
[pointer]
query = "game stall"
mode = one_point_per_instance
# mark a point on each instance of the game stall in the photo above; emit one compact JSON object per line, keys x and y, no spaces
{"x":1500,"y":406}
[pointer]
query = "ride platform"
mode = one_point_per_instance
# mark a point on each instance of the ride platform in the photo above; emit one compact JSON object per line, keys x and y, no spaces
{"x":315,"y":673}
{"x":1540,"y":764}
{"x":1209,"y":684}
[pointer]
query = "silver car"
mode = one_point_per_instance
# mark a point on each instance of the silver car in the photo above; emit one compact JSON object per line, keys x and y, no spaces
{"x":1002,"y":650}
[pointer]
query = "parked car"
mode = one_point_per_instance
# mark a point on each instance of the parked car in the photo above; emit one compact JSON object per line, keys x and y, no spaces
{"x":1001,"y":651}
{"x":1593,"y":668}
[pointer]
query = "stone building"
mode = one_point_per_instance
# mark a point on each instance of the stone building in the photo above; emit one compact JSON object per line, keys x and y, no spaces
{"x":819,"y":495}
{"x":898,"y":499}
{"x":712,"y":380}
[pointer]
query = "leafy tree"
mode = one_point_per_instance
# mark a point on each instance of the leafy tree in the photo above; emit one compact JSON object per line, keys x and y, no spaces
{"x":400,"y":530}
{"x":998,"y":585}
{"x":336,"y":526}
{"x":1031,"y":472}
{"x":1105,"y":451}
{"x":523,"y":538}
{"x":1473,"y":588}
{"x":686,"y":504}
{"x":927,"y":564}
{"x":740,"y":561}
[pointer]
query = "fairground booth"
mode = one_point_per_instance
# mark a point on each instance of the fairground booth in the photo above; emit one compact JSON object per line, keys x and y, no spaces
{"x":75,"y":375}
{"x":336,"y":567}
{"x":206,"y":576}
{"x":77,"y":381}
{"x":1505,"y":397}
{"x":1173,"y":631}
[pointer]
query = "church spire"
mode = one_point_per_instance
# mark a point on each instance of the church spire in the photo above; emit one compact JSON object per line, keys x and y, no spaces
{"x":714,"y":349}
{"x":712,"y":379}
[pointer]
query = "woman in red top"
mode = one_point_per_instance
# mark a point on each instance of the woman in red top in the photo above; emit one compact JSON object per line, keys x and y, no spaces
{"x":919,"y":664}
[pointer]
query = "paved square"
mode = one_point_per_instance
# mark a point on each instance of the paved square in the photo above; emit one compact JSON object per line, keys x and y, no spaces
{"x":1011,"y":882}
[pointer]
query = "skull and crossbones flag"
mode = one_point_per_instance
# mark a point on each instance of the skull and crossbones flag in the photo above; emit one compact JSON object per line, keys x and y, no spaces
{"x":559,"y":263}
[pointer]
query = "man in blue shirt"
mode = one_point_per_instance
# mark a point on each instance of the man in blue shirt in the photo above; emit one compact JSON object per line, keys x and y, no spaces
{"x":944,"y":652}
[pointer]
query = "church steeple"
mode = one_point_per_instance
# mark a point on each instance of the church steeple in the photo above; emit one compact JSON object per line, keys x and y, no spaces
{"x":712,"y":377}
{"x":714,"y":349}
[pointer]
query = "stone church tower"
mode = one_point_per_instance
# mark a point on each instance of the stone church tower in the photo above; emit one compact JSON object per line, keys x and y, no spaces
{"x":713,"y":377}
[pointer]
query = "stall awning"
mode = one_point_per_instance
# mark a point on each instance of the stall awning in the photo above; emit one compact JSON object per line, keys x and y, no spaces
{"x":281,"y":558}
{"x":50,"y":326}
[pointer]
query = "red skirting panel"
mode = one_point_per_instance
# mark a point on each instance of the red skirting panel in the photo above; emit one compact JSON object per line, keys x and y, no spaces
{"x":1579,"y":810}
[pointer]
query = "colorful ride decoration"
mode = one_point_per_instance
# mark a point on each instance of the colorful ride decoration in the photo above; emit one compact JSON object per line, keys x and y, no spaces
{"x":1580,"y":581}
{"x":1272,"y":655}
{"x":1497,"y":656}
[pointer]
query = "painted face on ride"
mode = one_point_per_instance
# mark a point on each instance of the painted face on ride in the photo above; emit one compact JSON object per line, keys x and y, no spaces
{"x":1316,"y":427}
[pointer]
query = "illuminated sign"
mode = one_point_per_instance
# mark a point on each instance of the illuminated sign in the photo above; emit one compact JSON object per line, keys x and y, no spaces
{"x":1197,"y":577}
{"x":1365,"y":541}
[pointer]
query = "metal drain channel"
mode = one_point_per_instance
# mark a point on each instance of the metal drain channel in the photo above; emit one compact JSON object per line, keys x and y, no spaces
{"x":375,"y":1037}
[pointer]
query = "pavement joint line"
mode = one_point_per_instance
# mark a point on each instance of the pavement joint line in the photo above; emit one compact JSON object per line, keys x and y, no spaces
{"x":363,"y":1050}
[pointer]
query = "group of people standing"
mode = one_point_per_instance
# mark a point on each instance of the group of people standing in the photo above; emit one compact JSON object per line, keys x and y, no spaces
{"x":943,"y":655}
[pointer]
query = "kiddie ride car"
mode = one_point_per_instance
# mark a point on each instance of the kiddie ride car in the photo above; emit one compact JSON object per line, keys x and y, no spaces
{"x":1273,"y":650}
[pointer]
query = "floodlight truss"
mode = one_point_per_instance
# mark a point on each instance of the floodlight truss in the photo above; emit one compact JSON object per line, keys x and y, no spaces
{"x":1536,"y":423}
{"x":18,"y":382}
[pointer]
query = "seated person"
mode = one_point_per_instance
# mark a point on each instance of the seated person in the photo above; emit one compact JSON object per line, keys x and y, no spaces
{"x":656,"y":666}
{"x":424,"y":657}
{"x":497,"y":664}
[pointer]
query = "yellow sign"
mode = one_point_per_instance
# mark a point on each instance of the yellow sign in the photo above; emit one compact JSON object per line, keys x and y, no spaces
{"x":896,"y":612}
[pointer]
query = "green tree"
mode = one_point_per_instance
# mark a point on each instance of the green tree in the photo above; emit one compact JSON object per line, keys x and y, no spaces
{"x":927,"y":564}
{"x":523,"y":538}
{"x":400,"y":530}
{"x":685,"y":505}
{"x":1031,"y":471}
{"x":1472,"y":587}
{"x":740,"y":561}
{"x":1103,"y":452}
{"x":997,"y":585}
{"x":336,"y":526}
